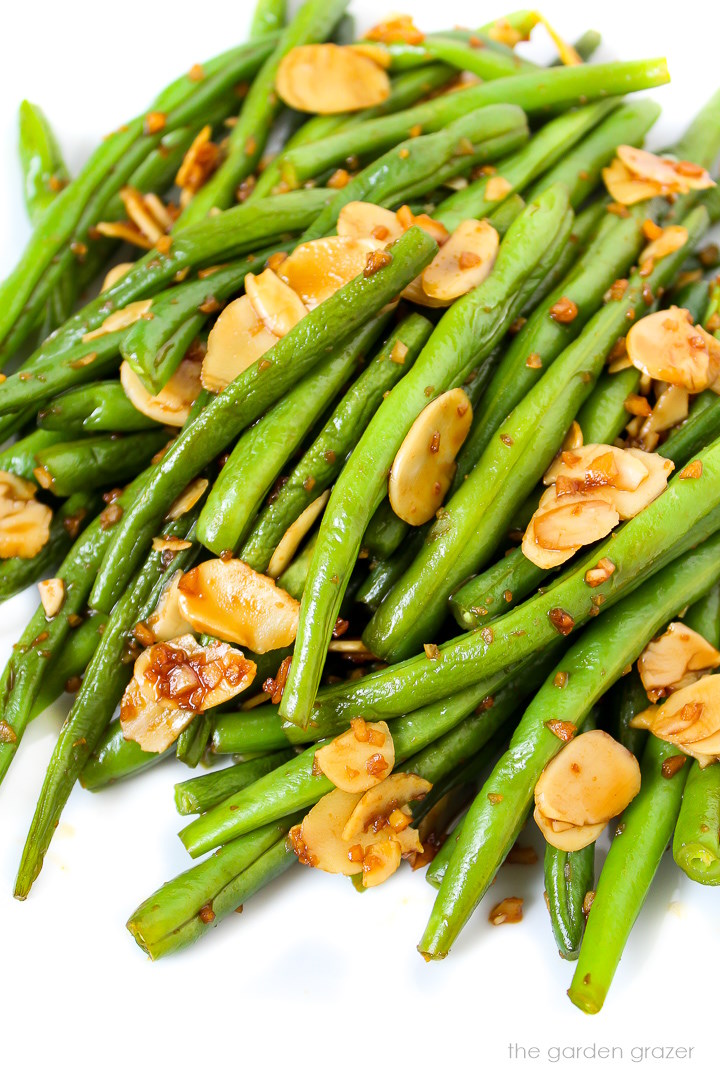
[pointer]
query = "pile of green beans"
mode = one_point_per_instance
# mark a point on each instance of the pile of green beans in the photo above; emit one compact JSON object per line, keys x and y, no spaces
{"x":295,"y":456}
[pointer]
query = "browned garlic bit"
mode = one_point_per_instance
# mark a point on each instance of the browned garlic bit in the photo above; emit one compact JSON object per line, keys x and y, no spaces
{"x":463,"y":262}
{"x":676,"y":659}
{"x":294,"y":536}
{"x":172,"y":682}
{"x":166,"y":622}
{"x":424,"y":466}
{"x":592,"y":488}
{"x":147,"y":223}
{"x":358,"y":759}
{"x":330,"y":79}
{"x":120,"y":319}
{"x":231,"y":600}
{"x":351,"y":833}
{"x":317,"y":269}
{"x":396,"y":28}
{"x":172,"y":405}
{"x":24,"y":522}
{"x":188,"y":498}
{"x":666,"y":346}
{"x":238,"y":338}
{"x":689,"y":718}
{"x":588,"y":783}
{"x":635,"y":175}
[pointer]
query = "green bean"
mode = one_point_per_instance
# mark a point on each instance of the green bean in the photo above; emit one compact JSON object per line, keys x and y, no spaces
{"x":44,"y":170}
{"x":640,"y":840}
{"x":533,"y":92}
{"x":260,"y":453}
{"x":184,"y":909}
{"x":26,"y":671}
{"x":203,"y":792}
{"x":685,"y":515}
{"x":465,"y":50}
{"x":491,"y":826}
{"x":463,"y":338}
{"x":418,"y":164}
{"x":508,"y":470}
{"x":569,"y":877}
{"x":324,"y":459}
{"x":550,"y":143}
{"x":74,"y":657}
{"x":251,"y":393}
{"x":98,"y":462}
{"x":248,"y":137}
{"x":192,"y":742}
{"x":105,"y":679}
{"x":293,"y":579}
{"x":268,"y":15}
{"x":117,"y":758}
{"x":101,"y":406}
{"x":19,"y":457}
{"x":17,"y":573}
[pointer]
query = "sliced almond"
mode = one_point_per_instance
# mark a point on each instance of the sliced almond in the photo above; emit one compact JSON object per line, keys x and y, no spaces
{"x":279,"y":307}
{"x":121,"y":319}
{"x":689,"y":718}
{"x":569,"y":56}
{"x":396,"y":28}
{"x":574,"y":838}
{"x":424,"y":466}
{"x":330,"y":79}
{"x":190,"y":676}
{"x":231,"y":600}
{"x":629,"y":503}
{"x":673,"y":176}
{"x":591,"y":780}
{"x":354,"y":763}
{"x":376,"y":805}
{"x":24,"y":522}
{"x":666,"y":346}
{"x":320,"y":841}
{"x":113,"y":275}
{"x":294,"y":536}
{"x":671,"y":408}
{"x":625,"y":188}
{"x":676,"y":659}
{"x":170,"y":543}
{"x":52,"y":595}
{"x":573,"y":523}
{"x":545,"y":558}
{"x":464,"y":262}
{"x":360,"y":220}
{"x":598,"y":465}
{"x":166,"y":622}
{"x":190,"y":497}
{"x":672,"y":238}
{"x":238,"y":338}
{"x":380,"y":861}
{"x":319,"y":268}
{"x":172,"y":405}
{"x":154,"y":726}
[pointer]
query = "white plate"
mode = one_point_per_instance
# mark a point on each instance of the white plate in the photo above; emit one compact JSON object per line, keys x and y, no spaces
{"x":312,"y":978}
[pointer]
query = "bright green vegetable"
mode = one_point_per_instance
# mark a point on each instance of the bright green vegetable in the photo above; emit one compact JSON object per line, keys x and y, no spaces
{"x":101,"y":461}
{"x":203,"y":792}
{"x":101,"y":406}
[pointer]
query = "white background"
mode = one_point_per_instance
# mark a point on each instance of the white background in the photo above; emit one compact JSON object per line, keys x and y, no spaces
{"x":312,"y":979}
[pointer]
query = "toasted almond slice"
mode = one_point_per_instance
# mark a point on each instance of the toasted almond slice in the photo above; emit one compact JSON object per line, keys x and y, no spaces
{"x":599,"y":465}
{"x":671,"y":408}
{"x":666,"y":346}
{"x":377,"y":804}
{"x":172,"y":405}
{"x":166,"y":622}
{"x":373,"y":50}
{"x":279,"y":307}
{"x":670,"y":239}
{"x":689,"y":718}
{"x":119,"y":320}
{"x":424,"y":465}
{"x":625,"y":188}
{"x":591,"y":780}
{"x":153,"y":725}
{"x":630,"y":503}
{"x":380,"y":861}
{"x":52,"y":595}
{"x":360,"y":220}
{"x":170,"y":543}
{"x":24,"y":527}
{"x":320,"y":841}
{"x":647,"y":166}
{"x":294,"y":536}
{"x":16,"y":487}
{"x":545,"y":558}
{"x":463,"y":262}
{"x":356,"y":765}
{"x":674,"y":660}
{"x":569,"y":56}
{"x":229,"y":599}
{"x":185,"y":675}
{"x":396,"y":28}
{"x":188,"y":498}
{"x":507,"y":34}
{"x":573,"y":523}
{"x":113,"y":275}
{"x":574,"y":838}
{"x":319,"y":268}
{"x":330,"y":79}
{"x":238,"y":338}
{"x":139,"y":214}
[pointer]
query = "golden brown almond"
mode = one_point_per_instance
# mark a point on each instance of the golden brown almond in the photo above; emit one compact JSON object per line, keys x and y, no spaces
{"x":591,"y":780}
{"x":625,"y":188}
{"x":670,"y":239}
{"x":360,"y":220}
{"x":188,"y":498}
{"x":509,"y":910}
{"x":171,"y":406}
{"x":114,"y":275}
{"x":395,"y":792}
{"x":279,"y":307}
{"x":317,"y":269}
{"x":294,"y":536}
{"x":665,"y":346}
{"x":424,"y":466}
{"x":677,"y":658}
{"x":463,"y":262}
{"x":238,"y":338}
{"x":120,"y":319}
{"x":330,"y":79}
{"x":352,"y":764}
{"x":166,"y":622}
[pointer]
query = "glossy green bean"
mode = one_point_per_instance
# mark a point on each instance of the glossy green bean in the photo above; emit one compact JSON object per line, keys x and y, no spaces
{"x":101,"y":461}
{"x":203,"y":792}
{"x":101,"y":406}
